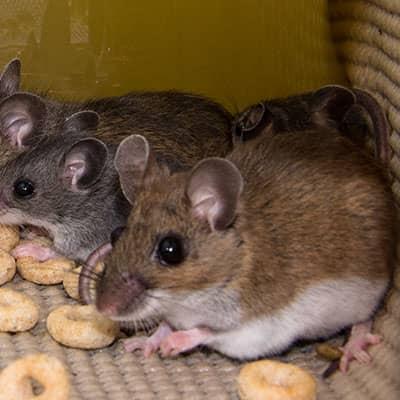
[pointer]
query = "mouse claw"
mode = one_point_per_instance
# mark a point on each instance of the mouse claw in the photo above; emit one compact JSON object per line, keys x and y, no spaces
{"x":140,"y":343}
{"x":34,"y":250}
{"x":355,"y":348}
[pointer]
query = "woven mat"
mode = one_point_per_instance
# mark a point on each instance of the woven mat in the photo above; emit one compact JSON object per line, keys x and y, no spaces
{"x":367,"y":34}
{"x":112,"y":373}
{"x":368,"y":37}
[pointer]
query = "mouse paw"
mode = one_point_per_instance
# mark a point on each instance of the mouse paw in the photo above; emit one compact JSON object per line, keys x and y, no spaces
{"x":148,"y":345}
{"x":181,"y":341}
{"x":140,"y":343}
{"x":355,"y":348}
{"x":34,"y":250}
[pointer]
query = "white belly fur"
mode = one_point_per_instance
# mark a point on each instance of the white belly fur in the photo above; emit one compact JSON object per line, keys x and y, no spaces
{"x":319,"y":311}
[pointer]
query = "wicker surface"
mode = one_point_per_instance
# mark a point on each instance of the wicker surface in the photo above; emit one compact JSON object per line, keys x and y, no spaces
{"x":367,"y":33}
{"x":368,"y":38}
{"x":114,"y":374}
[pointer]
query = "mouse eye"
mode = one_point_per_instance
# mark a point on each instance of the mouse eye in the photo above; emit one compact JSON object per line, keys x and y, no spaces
{"x":24,"y":188}
{"x":170,"y":250}
{"x":115,"y":234}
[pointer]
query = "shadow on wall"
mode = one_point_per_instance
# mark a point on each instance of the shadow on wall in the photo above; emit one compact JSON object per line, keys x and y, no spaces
{"x":236,"y":52}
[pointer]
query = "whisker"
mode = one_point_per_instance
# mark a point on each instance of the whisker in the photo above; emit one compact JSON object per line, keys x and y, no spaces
{"x":92,"y":278}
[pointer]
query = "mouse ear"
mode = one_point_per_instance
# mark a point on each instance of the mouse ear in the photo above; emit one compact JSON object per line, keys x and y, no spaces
{"x":82,"y":121}
{"x":10,"y":77}
{"x":83,"y":164}
{"x":251,"y":122}
{"x":131,"y":161}
{"x":21,"y":117}
{"x":333,"y":102}
{"x":214,"y":188}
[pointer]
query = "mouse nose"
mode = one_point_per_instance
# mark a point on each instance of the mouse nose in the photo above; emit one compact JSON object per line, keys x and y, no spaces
{"x":115,"y":298}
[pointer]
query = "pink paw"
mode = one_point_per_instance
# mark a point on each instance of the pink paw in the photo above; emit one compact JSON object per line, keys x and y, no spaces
{"x":38,"y":252}
{"x":176,"y":343}
{"x":181,"y":341}
{"x":148,"y":345}
{"x":141,"y":343}
{"x":355,"y":348}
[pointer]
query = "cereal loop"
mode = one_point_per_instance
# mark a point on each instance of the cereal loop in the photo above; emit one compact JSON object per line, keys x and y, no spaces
{"x":7,"y":267}
{"x":81,"y":327}
{"x":275,"y":380}
{"x":17,"y":311}
{"x":48,"y":371}
{"x":71,"y":281}
{"x":49,"y":272}
{"x":9,"y":237}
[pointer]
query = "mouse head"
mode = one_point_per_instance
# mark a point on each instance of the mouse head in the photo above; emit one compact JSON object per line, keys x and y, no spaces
{"x":49,"y":171}
{"x":180,"y":236}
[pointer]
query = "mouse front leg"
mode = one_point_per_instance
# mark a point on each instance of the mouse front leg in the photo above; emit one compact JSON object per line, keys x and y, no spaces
{"x":148,"y":345}
{"x":182,"y":341}
{"x":169,"y":343}
{"x":355,"y":348}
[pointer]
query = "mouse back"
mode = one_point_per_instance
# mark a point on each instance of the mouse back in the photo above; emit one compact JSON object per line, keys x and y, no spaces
{"x":354,"y":113}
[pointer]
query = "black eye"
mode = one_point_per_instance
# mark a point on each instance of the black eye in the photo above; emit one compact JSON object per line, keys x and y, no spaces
{"x":24,"y":188}
{"x":170,"y":250}
{"x":116,"y":233}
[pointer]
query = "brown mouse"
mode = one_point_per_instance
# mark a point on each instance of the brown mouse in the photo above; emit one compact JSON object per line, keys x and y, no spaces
{"x":289,"y":237}
{"x":351,"y":111}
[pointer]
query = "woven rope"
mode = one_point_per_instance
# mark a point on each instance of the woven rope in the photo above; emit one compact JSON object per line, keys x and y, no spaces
{"x":368,"y":37}
{"x":367,"y":34}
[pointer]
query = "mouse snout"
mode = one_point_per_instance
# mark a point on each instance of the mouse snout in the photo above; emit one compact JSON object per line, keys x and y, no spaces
{"x":115,"y":299}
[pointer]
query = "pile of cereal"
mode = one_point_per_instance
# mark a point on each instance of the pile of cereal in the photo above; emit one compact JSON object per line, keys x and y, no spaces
{"x":19,"y":313}
{"x":71,"y":325}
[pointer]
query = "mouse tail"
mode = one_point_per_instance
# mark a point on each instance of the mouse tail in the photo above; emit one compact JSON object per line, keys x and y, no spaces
{"x":380,"y":126}
{"x":88,"y":271}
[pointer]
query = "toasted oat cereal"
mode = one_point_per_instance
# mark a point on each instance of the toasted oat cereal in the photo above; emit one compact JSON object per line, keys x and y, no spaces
{"x":48,"y":272}
{"x":9,"y":237}
{"x":17,"y":311}
{"x":81,"y":327}
{"x":16,"y":378}
{"x":7,"y":267}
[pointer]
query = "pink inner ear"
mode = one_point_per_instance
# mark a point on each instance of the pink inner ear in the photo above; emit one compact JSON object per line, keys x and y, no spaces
{"x":17,"y":128}
{"x":73,"y":172}
{"x":207,"y":209}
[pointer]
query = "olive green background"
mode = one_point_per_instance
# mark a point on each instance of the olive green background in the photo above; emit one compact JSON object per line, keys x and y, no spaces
{"x":236,"y":51}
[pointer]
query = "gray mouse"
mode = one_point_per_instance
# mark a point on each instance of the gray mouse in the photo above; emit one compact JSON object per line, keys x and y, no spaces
{"x":289,"y":237}
{"x":352,"y":111}
{"x":62,"y":178}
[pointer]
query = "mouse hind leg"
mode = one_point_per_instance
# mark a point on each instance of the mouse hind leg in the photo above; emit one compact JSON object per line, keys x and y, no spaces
{"x":356,"y":346}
